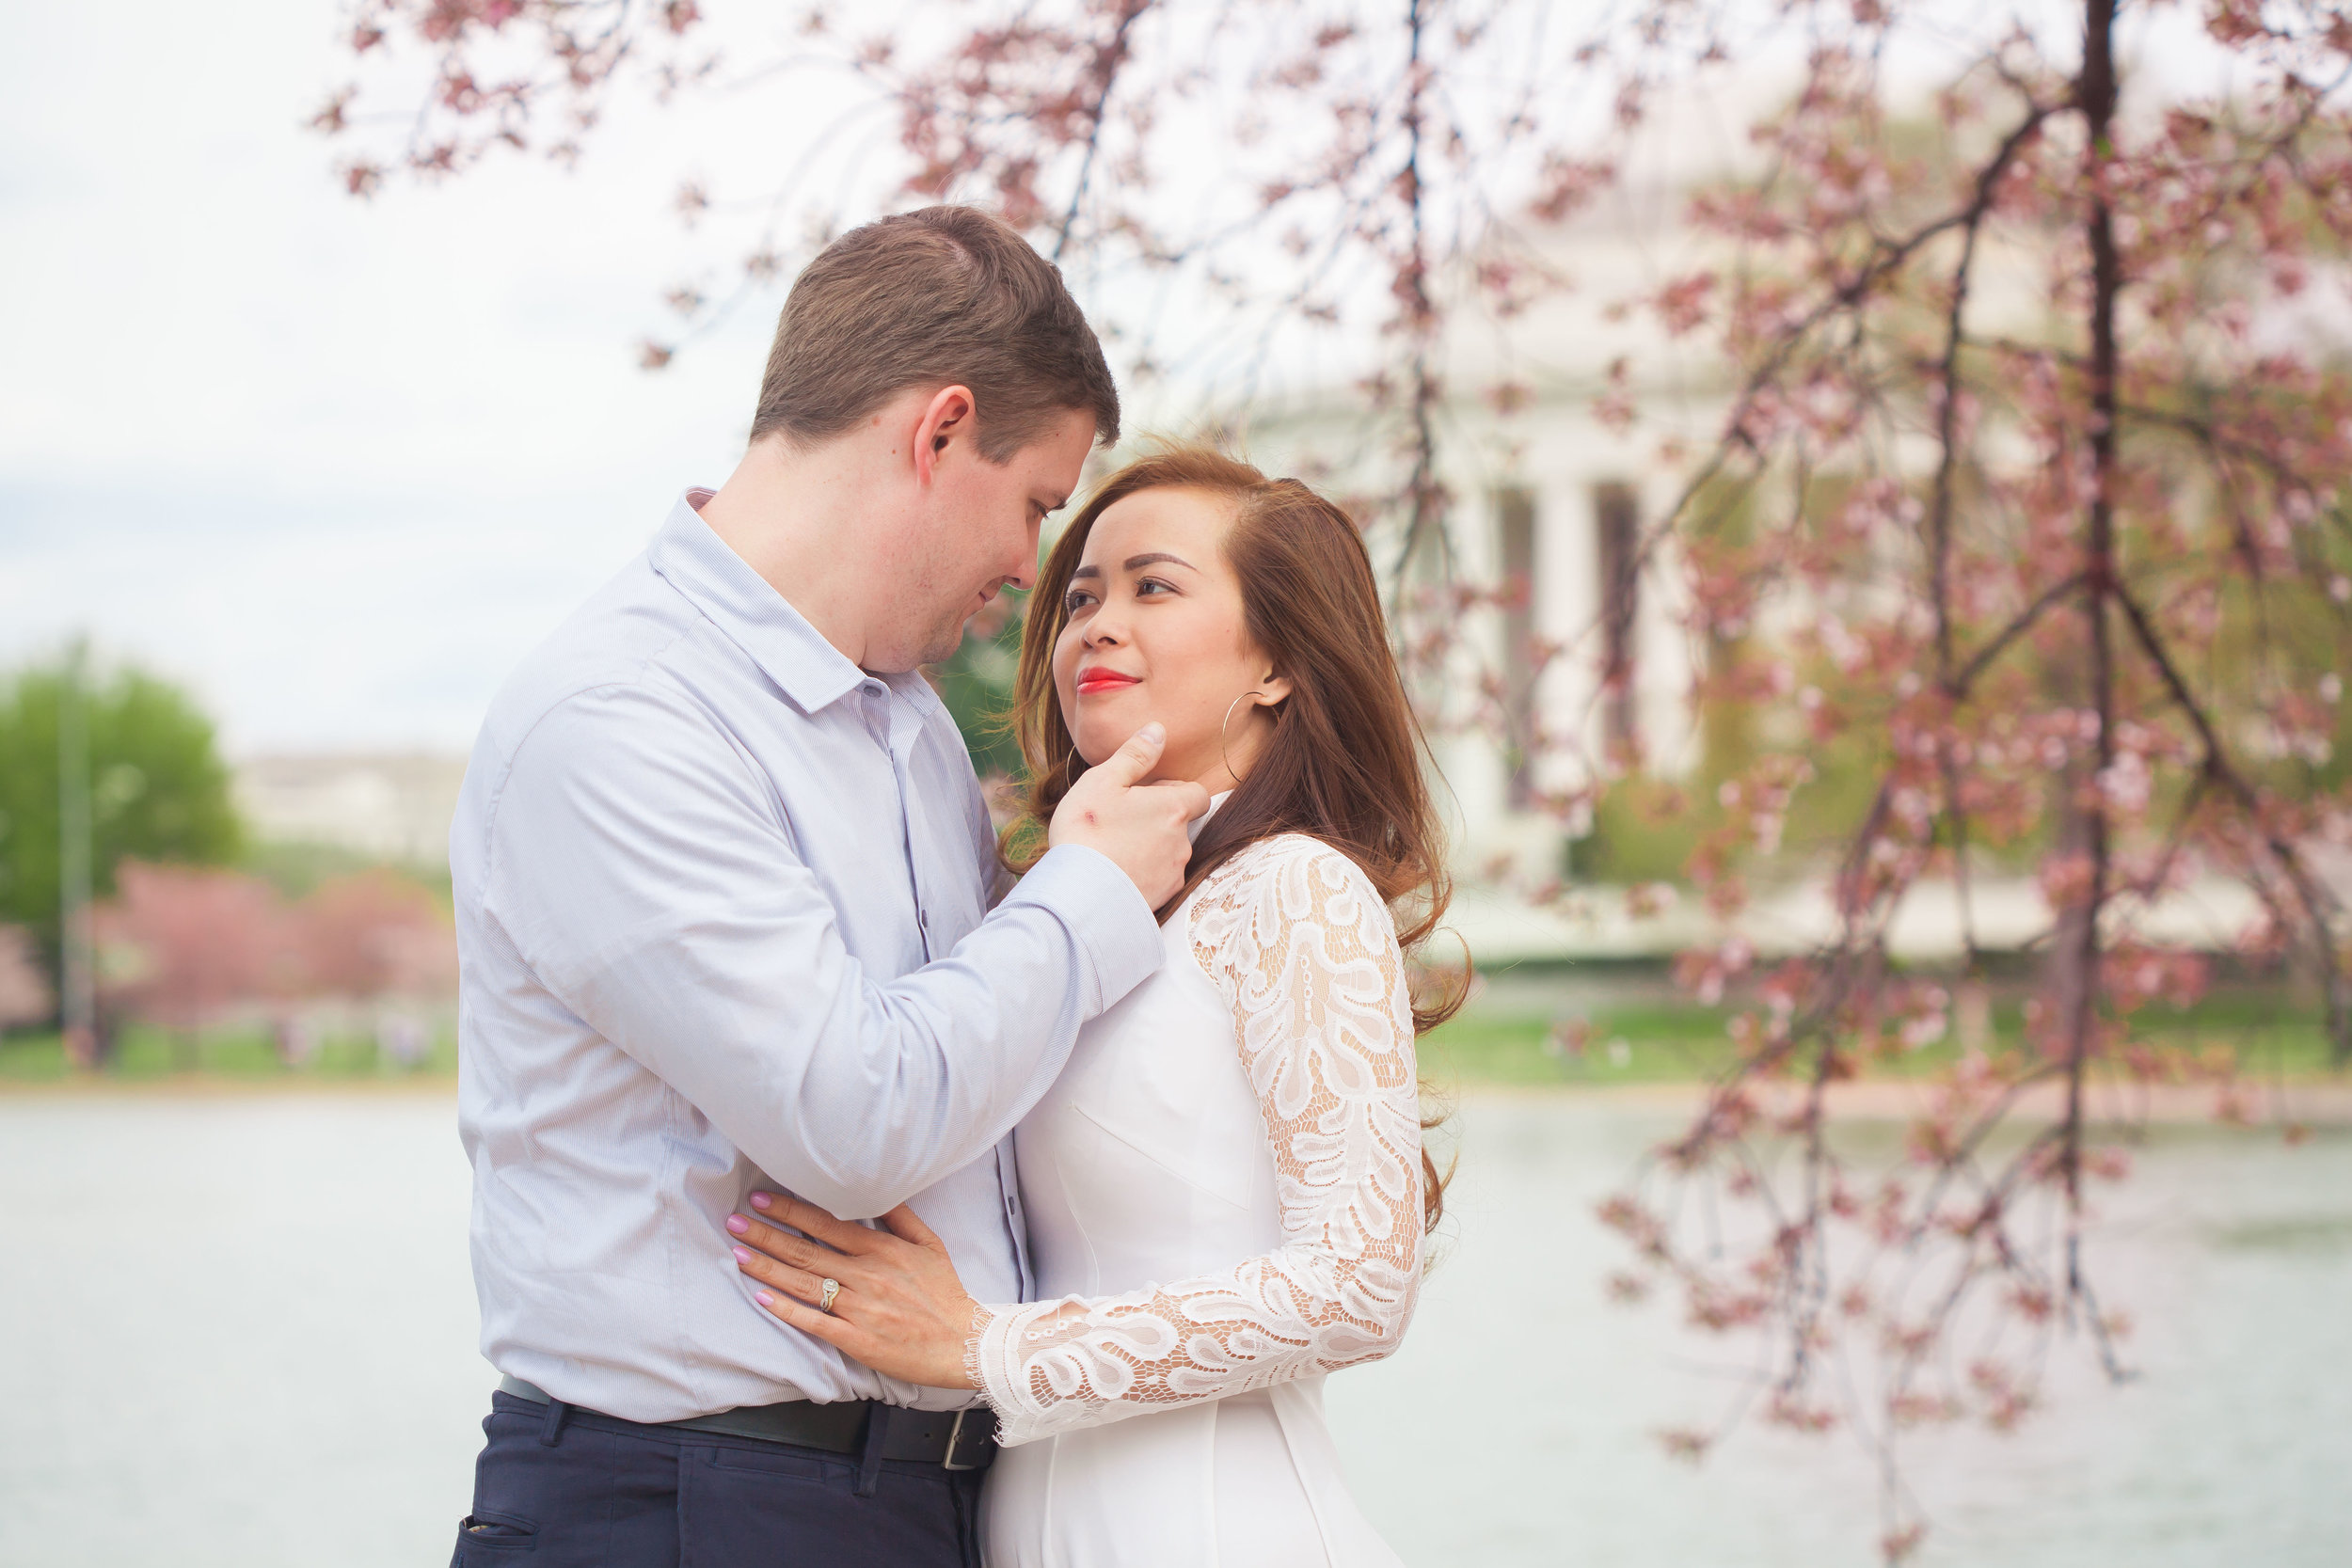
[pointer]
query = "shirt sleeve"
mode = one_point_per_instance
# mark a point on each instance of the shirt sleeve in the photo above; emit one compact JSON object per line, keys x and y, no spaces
{"x":1300,"y":943}
{"x":642,"y":868}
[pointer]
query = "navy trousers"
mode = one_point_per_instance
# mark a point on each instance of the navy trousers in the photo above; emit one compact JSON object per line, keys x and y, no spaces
{"x":561,"y":1487}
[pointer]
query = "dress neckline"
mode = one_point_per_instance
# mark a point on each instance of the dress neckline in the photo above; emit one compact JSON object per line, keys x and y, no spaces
{"x":1192,"y":829}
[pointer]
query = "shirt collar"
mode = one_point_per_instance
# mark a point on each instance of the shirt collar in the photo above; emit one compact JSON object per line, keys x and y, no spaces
{"x":917,"y":691}
{"x":697,"y":563}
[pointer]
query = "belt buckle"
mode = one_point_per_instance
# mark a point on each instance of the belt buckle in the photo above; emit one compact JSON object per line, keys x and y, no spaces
{"x":955,"y":1435}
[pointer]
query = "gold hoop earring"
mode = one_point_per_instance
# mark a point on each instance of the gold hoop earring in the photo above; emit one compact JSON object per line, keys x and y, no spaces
{"x":1221,"y":754}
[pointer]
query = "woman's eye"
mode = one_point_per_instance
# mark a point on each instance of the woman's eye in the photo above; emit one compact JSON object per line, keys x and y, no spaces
{"x":1148,"y":584}
{"x":1074,"y":600}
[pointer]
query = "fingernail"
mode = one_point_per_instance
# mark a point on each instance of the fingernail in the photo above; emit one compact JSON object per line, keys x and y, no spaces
{"x":760,"y":1200}
{"x":742,"y":1255}
{"x":738,"y":1224}
{"x":763,"y":1298}
{"x":1152,"y":731}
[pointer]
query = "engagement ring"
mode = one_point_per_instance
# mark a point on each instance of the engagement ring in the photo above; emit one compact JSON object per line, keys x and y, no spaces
{"x":824,"y":1302}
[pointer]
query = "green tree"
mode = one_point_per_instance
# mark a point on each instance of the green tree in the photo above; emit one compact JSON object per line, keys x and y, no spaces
{"x":159,"y":790}
{"x":977,"y":684}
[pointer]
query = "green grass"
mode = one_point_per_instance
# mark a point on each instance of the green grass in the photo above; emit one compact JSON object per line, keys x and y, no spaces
{"x":145,"y":1055}
{"x":1658,"y":1041}
{"x":1667,"y":1041}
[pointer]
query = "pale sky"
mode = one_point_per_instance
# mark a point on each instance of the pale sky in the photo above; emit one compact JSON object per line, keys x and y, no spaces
{"x":336,"y":466}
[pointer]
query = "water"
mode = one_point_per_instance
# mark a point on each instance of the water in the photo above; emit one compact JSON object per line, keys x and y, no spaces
{"x":240,"y":1331}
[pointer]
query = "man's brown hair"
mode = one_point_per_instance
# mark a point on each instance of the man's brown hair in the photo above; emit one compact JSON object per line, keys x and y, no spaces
{"x":939,"y":296}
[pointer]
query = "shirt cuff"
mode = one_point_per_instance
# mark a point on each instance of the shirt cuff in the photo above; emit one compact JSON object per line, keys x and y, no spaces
{"x":1085,"y":889}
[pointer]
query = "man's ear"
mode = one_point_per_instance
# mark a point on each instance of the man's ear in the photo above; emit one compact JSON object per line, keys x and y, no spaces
{"x":946,"y":419}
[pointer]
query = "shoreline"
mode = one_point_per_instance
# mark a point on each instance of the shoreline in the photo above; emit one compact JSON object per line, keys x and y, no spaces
{"x":2307,"y":1100}
{"x":216,"y":1085}
{"x":2264,"y":1104}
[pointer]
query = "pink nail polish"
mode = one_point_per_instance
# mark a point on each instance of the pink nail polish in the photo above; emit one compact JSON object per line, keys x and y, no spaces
{"x":738,"y":1224}
{"x":760,"y":1200}
{"x":763,"y":1298}
{"x":742,"y":1255}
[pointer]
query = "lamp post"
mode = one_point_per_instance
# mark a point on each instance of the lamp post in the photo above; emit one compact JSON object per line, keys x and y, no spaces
{"x":78,"y":989}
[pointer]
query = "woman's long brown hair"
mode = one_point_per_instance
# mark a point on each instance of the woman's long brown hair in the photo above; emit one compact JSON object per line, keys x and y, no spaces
{"x":1343,"y":763}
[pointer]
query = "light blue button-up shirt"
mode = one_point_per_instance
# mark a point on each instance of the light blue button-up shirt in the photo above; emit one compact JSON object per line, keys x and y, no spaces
{"x":723,"y":922}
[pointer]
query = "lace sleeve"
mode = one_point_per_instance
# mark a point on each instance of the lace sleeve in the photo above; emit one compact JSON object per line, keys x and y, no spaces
{"x":1299,"y":941}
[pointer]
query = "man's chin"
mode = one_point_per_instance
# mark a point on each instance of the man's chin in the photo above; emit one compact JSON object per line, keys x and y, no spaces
{"x":942,"y":647}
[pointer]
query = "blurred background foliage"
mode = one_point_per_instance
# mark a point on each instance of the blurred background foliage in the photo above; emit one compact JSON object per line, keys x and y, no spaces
{"x":977,"y":686}
{"x":159,"y":790}
{"x":214,"y":947}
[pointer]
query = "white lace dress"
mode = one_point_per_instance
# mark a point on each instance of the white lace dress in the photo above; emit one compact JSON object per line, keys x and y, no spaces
{"x":1224,"y":1196}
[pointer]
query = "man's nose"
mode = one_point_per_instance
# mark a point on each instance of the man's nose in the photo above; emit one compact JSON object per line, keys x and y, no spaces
{"x":1022,"y":574}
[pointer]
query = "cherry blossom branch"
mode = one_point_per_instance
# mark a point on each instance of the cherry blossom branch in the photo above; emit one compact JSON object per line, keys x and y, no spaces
{"x":1105,"y":65}
{"x":2318,"y":906}
{"x":1425,"y":500}
{"x":2096,"y":98}
{"x":1963,"y":681}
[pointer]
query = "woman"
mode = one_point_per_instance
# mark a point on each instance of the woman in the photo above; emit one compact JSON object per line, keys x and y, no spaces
{"x":1226,"y":1189}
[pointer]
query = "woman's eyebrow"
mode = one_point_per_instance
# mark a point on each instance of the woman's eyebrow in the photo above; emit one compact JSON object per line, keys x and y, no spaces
{"x":1136,"y":563}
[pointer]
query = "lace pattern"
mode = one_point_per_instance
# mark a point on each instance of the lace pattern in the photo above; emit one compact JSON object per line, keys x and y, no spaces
{"x":1299,"y":941}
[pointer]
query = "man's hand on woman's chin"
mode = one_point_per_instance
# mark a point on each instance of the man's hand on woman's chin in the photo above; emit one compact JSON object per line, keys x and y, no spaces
{"x":897,"y":1305}
{"x":1139,"y":826}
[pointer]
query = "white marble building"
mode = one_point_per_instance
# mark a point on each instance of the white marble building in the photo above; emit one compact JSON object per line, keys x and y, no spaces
{"x":390,"y":806}
{"x":1554,"y":497}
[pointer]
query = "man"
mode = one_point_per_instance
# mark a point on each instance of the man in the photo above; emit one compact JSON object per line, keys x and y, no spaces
{"x":723,"y":881}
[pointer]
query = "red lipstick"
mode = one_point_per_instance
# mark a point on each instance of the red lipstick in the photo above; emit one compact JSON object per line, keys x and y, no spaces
{"x":1092,"y":681}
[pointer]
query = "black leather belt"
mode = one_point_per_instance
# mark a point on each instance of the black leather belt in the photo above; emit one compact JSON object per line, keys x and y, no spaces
{"x":951,"y":1439}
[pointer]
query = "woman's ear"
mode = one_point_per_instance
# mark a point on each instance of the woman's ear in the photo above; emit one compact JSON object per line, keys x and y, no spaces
{"x":1274,"y":688}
